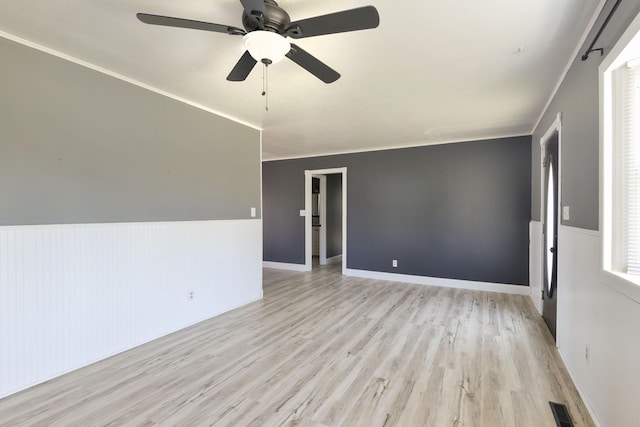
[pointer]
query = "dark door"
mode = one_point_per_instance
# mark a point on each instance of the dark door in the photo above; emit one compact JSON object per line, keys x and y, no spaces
{"x":550,"y":227}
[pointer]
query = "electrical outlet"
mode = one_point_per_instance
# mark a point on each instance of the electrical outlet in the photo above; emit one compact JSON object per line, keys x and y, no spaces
{"x":253,"y":212}
{"x":394,"y":263}
{"x":191,"y":295}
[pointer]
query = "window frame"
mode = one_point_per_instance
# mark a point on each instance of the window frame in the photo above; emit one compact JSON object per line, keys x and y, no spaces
{"x":626,"y":48}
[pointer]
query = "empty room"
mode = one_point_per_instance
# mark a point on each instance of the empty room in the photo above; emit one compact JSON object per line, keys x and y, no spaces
{"x":337,"y":213}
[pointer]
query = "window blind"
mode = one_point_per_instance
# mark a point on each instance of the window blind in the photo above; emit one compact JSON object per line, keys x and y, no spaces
{"x":631,"y":160}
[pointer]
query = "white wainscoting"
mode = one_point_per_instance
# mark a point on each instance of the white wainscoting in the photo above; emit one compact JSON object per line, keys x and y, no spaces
{"x":438,"y":281}
{"x":535,"y":263}
{"x":74,"y":294}
{"x":597,"y":332}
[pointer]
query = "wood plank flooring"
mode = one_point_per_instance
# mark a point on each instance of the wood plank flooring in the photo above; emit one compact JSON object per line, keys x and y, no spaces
{"x":325,"y":350}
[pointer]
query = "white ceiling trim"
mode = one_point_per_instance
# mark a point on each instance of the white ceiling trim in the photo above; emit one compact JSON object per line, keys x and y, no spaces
{"x":400,"y":147}
{"x":572,"y":58}
{"x":110,"y":73}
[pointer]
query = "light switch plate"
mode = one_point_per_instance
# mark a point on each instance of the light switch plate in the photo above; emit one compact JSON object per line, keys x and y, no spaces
{"x":565,"y":213}
{"x":253,"y":212}
{"x":303,"y":212}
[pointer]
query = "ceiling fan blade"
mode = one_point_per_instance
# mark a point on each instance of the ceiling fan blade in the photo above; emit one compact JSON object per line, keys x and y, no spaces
{"x":242,"y":68}
{"x":256,"y":10}
{"x":312,"y":64}
{"x":169,"y":21}
{"x":253,"y":6}
{"x":361,"y":18}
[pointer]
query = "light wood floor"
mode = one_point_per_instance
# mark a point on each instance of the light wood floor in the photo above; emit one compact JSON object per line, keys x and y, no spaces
{"x":325,"y":350}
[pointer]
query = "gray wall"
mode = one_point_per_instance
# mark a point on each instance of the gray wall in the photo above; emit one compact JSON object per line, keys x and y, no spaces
{"x":334,"y":215}
{"x":577,"y":101}
{"x":77,"y":146}
{"x":457,"y":211}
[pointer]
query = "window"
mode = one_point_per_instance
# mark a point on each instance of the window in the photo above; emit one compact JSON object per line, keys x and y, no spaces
{"x":626,"y":173}
{"x":620,"y":148}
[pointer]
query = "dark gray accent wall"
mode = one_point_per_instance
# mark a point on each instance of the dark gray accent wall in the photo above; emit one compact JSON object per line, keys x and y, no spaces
{"x":577,"y":102}
{"x":78,"y":146}
{"x":334,"y":215}
{"x":458,"y":211}
{"x":282,"y":199}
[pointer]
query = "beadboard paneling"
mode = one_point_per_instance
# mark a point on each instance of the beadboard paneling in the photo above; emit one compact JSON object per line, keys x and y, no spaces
{"x":74,"y":294}
{"x":597,"y":333}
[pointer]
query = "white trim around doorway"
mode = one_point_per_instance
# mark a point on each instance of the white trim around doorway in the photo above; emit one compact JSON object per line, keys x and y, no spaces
{"x":536,"y":242}
{"x":308,"y":176}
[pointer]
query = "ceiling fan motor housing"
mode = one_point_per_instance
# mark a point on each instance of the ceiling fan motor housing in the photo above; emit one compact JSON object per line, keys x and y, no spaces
{"x":275,"y":19}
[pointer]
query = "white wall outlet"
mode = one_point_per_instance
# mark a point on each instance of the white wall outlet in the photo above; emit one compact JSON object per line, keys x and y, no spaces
{"x":565,"y":213}
{"x":394,"y":263}
{"x":192,"y":294}
{"x":253,"y":212}
{"x":303,"y":212}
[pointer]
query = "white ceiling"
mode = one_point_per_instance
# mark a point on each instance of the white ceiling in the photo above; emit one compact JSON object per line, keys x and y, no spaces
{"x":433,"y":71}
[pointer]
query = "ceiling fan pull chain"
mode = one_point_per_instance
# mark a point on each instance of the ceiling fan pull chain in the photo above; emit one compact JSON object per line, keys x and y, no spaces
{"x":265,"y":84}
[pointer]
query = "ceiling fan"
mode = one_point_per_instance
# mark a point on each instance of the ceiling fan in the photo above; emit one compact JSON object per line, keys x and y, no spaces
{"x":266,"y":27}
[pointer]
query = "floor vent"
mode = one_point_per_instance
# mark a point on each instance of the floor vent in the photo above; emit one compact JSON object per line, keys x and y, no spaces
{"x":561,"y":414}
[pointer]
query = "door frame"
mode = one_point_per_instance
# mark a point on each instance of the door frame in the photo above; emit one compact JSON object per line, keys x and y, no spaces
{"x":308,"y":226}
{"x":322,"y":213}
{"x":555,"y":127}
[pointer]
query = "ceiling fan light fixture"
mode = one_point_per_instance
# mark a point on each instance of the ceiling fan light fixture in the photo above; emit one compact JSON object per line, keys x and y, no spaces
{"x":266,"y":45}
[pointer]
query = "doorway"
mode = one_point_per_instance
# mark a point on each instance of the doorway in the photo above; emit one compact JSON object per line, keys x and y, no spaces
{"x":550,"y":203}
{"x":326,"y":217}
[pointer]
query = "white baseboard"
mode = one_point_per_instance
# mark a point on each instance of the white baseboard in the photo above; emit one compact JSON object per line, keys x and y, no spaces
{"x":284,"y":266}
{"x":438,"y":281}
{"x":334,"y":260}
